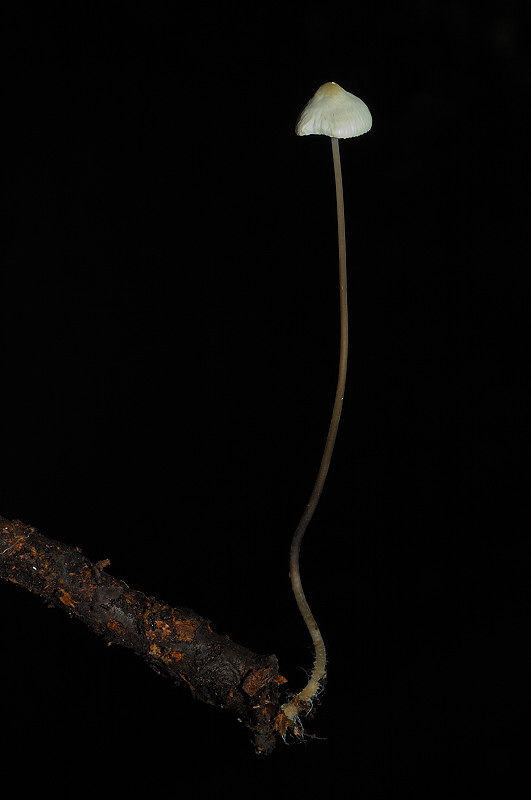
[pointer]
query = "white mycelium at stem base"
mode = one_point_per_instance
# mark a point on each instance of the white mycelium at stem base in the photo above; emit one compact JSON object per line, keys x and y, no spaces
{"x":341,"y":115}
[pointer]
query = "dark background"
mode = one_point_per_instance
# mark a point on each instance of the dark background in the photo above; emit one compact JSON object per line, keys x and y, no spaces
{"x":169,"y":353}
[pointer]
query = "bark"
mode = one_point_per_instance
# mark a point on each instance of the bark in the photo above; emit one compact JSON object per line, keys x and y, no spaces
{"x":175,"y":642}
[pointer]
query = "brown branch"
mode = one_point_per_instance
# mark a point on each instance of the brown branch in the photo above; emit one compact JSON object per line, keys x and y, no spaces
{"x":175,"y":642}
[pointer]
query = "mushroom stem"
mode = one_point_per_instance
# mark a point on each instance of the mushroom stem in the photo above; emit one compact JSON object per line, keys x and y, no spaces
{"x":303,"y":701}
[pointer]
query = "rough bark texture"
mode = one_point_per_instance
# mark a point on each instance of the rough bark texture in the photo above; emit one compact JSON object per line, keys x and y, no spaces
{"x":174,"y":641}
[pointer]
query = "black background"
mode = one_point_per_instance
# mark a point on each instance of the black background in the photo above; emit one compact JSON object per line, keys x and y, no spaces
{"x":169,"y":353}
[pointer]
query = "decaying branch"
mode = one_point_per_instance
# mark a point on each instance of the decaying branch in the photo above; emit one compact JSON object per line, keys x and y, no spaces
{"x":174,"y":641}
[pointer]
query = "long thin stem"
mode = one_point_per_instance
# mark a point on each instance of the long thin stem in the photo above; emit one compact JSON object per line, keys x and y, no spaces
{"x":303,"y":700}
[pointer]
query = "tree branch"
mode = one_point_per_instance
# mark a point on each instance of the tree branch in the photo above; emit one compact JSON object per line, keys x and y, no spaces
{"x":175,"y":642}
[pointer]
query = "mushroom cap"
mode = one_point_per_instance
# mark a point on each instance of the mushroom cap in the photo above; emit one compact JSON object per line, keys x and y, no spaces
{"x":334,"y":112}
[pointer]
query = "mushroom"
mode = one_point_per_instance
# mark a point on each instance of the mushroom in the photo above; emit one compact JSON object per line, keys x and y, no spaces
{"x":341,"y":115}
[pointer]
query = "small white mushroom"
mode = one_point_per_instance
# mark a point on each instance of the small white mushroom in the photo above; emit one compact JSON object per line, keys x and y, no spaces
{"x":338,"y":114}
{"x":334,"y":112}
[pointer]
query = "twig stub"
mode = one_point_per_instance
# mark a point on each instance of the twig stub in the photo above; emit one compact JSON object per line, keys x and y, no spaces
{"x":175,"y":642}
